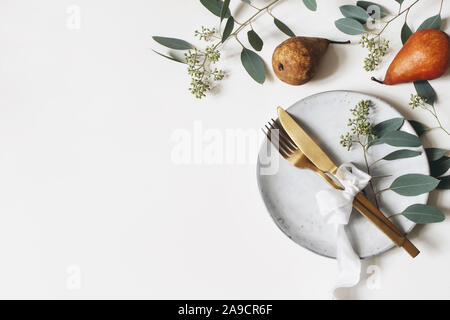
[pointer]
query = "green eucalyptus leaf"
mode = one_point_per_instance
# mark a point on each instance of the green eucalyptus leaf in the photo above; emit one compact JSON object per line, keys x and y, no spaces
{"x":401,"y":139}
{"x":225,"y":9}
{"x":420,"y":128}
{"x":421,"y":213}
{"x":228,"y":29}
{"x":426,"y":91}
{"x":434,"y":154}
{"x":254,"y":40}
{"x":439,"y":167}
{"x":433,"y":22}
{"x":173,"y":43}
{"x":246,"y":1}
{"x":373,"y":142}
{"x":386,"y":126}
{"x":373,"y":8}
{"x":402,"y":154}
{"x":215,"y":7}
{"x":405,"y":33}
{"x":444,"y":183}
{"x":169,"y":57}
{"x":254,"y":65}
{"x":355,"y":12}
{"x":399,"y":1}
{"x":413,"y":184}
{"x":283,"y":28}
{"x":349,"y":26}
{"x":311,"y":4}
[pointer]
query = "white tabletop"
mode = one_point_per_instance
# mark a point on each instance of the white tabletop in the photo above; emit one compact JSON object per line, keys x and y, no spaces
{"x":93,"y":203}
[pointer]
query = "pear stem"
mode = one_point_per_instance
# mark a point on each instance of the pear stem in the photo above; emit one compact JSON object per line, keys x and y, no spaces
{"x":339,"y":42}
{"x":376,"y":80}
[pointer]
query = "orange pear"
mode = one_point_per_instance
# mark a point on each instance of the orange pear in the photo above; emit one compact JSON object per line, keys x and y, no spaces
{"x":425,"y":56}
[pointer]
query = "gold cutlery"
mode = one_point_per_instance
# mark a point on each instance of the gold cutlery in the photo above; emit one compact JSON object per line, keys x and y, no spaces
{"x":308,"y":155}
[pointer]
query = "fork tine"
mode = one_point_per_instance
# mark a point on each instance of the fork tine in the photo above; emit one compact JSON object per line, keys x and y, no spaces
{"x":281,"y":144}
{"x":284,"y":136}
{"x":268,"y":135}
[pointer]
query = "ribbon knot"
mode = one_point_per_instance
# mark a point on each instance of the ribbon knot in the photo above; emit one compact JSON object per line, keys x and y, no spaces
{"x":336,"y":206}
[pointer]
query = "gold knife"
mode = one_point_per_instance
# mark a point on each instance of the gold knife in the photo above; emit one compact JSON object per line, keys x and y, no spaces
{"x":321,"y":160}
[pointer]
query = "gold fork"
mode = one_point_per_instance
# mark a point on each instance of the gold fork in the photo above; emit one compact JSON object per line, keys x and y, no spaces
{"x":289,"y":151}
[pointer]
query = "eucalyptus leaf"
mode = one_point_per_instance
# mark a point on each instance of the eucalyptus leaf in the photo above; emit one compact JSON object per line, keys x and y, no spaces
{"x":421,"y":213}
{"x":444,"y":183}
{"x":405,"y":33}
{"x":349,"y":26}
{"x":228,"y":29}
{"x":224,"y":10}
{"x":311,"y":4}
{"x":386,"y":126}
{"x":399,"y":1}
{"x":439,"y":167}
{"x":283,"y":28}
{"x":402,"y":154}
{"x":373,"y":8}
{"x":426,"y":91}
{"x":401,"y":139}
{"x":215,"y":7}
{"x":414,"y":184}
{"x":169,"y":57}
{"x":355,"y":12}
{"x":254,"y":65}
{"x":433,"y":22}
{"x":434,"y":154}
{"x":246,"y":1}
{"x":420,"y":128}
{"x":173,"y":43}
{"x":373,"y":142}
{"x":255,"y":41}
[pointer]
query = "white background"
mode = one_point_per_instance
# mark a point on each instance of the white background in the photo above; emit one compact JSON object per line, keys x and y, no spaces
{"x":91,"y":203}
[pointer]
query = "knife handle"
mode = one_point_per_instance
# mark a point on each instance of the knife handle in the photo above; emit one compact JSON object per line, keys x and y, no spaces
{"x":402,"y":241}
{"x":374,"y":215}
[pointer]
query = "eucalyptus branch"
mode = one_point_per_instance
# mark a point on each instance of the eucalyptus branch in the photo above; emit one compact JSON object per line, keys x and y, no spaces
{"x":362,"y":129}
{"x":434,"y":113}
{"x":382,"y":190}
{"x":375,"y":162}
{"x":406,"y":15}
{"x":239,"y":41}
{"x":417,"y":101}
{"x":200,"y":62}
{"x":383,"y":176}
{"x":253,"y":17}
{"x":395,"y":17}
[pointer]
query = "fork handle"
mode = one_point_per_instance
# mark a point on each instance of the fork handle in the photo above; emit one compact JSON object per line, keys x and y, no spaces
{"x":374,"y":215}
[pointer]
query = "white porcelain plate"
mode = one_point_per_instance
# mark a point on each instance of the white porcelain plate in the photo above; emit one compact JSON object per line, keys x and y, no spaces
{"x":289,"y":192}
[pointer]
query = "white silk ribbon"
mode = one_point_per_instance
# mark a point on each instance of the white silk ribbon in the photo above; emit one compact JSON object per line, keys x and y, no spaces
{"x":336,"y":206}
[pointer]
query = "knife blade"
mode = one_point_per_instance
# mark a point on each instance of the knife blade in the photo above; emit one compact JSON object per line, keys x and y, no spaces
{"x":307,"y":145}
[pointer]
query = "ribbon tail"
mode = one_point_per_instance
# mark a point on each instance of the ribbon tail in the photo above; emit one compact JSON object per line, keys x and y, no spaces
{"x":336,"y":206}
{"x":349,"y":263}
